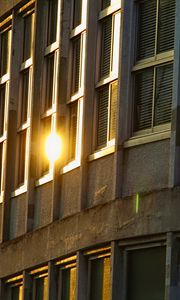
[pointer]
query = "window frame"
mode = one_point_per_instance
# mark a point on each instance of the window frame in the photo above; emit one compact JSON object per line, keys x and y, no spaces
{"x":156,"y":60}
{"x":5,"y":26}
{"x":113,"y":11}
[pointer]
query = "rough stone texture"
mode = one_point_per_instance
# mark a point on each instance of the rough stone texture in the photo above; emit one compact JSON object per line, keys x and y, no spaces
{"x":116,"y":220}
{"x":146,"y":168}
{"x":7,"y":5}
{"x":43,"y":205}
{"x":70,"y":196}
{"x":100,"y":179}
{"x":17,"y":216}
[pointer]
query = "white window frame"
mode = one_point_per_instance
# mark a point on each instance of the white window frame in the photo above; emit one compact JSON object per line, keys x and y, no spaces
{"x":113,"y":10}
{"x":157,"y":59}
{"x":26,"y":65}
{"x":5,"y":25}
{"x":51,"y":49}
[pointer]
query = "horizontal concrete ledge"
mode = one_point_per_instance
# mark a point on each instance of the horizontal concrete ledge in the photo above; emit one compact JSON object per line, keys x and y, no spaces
{"x":156,"y":213}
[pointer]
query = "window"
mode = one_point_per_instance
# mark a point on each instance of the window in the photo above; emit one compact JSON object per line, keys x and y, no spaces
{"x":146,"y":273}
{"x":49,"y":90}
{"x":5,"y":49}
{"x":76,"y":81}
{"x":25,"y":94}
{"x":67,"y":279}
{"x":153,"y":71}
{"x":39,"y":281}
{"x":99,"y":272}
{"x":14,"y":288}
{"x":107,"y":80}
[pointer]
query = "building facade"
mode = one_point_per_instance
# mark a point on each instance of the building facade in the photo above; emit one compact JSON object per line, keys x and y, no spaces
{"x":102,"y":222}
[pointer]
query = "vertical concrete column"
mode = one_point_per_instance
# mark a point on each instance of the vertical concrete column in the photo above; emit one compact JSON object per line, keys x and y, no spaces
{"x":174,"y":163}
{"x":38,"y":55}
{"x":2,"y":290}
{"x":89,"y":90}
{"x":124,"y":109}
{"x":52,"y":290}
{"x":172,"y":283}
{"x":117,"y":271}
{"x":82,"y":277}
{"x":27,"y":286}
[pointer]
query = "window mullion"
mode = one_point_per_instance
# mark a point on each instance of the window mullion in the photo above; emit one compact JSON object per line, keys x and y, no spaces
{"x":154,"y":97}
{"x":157,"y":22}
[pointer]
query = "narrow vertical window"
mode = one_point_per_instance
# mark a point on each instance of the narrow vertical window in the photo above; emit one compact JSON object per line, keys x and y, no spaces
{"x":28,"y":36}
{"x":21,"y":157}
{"x":107,"y":86}
{"x":41,"y":288}
{"x":14,"y":288}
{"x":49,"y":82}
{"x":45,"y":132}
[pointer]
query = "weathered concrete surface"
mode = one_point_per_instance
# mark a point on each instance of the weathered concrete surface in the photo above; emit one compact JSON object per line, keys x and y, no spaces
{"x":6,"y":6}
{"x":158,"y":213}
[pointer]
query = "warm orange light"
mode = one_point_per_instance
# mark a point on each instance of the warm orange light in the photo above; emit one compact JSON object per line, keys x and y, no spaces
{"x":53,"y":147}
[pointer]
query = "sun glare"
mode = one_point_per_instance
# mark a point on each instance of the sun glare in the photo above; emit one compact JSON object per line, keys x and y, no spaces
{"x":53,"y":147}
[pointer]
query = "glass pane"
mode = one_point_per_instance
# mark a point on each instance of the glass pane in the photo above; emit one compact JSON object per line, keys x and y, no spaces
{"x":41,"y":285}
{"x":106,"y":47}
{"x":143,"y":99}
{"x":146,"y":274}
{"x":16,"y":293}
{"x":49,"y":82}
{"x":2,"y":108}
{"x":100,"y":279}
{"x":102,"y":115}
{"x":68,"y":284}
{"x":113,"y":110}
{"x":4,"y":52}
{"x":21,"y":157}
{"x":28,"y":23}
{"x":46,"y":130}
{"x":166,"y":25}
{"x":76,"y":65}
{"x":163,"y":97}
{"x":146,"y":29}
{"x":73,"y":131}
{"x":77,"y":13}
{"x":52,"y":21}
{"x":1,"y":158}
{"x":105,"y":3}
{"x":25,"y":93}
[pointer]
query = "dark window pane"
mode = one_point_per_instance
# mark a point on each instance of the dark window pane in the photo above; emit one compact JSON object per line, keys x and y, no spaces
{"x":144,"y":99}
{"x":41,"y":288}
{"x":52,"y":21}
{"x":28,"y":23}
{"x":2,"y":108}
{"x":166,"y":25}
{"x":146,"y":28}
{"x":76,"y":65}
{"x":46,"y":130}
{"x":21,"y":157}
{"x":24,"y":98}
{"x":77,"y":13}
{"x":102,"y":121}
{"x":16,"y":293}
{"x":73,"y":131}
{"x":146,"y":274}
{"x":100,"y":279}
{"x":106,"y":47}
{"x":1,"y":162}
{"x":163,"y":98}
{"x":49,"y":82}
{"x":4,"y":52}
{"x":105,"y":3}
{"x":113,"y":109}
